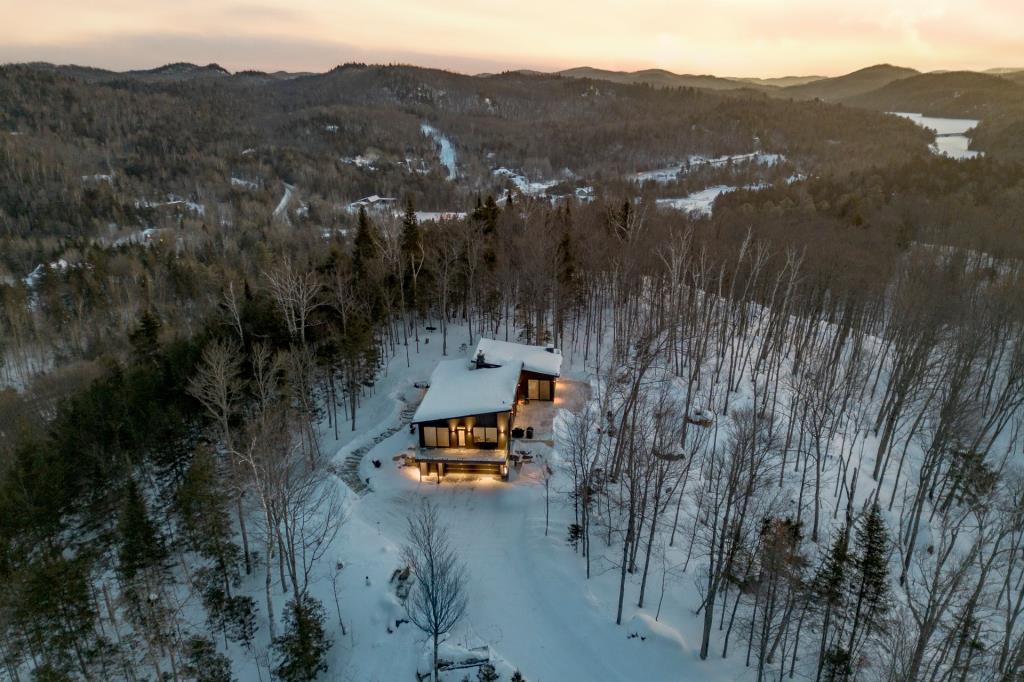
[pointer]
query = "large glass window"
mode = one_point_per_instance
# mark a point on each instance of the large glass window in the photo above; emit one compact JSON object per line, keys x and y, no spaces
{"x":532,"y":389}
{"x":485,"y":434}
{"x":435,"y":437}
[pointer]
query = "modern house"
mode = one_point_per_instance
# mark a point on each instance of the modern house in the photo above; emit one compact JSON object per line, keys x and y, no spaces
{"x":541,"y":365}
{"x":466,"y":419}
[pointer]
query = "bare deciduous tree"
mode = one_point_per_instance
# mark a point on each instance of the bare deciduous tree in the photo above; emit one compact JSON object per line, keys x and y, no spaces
{"x":437,"y":601}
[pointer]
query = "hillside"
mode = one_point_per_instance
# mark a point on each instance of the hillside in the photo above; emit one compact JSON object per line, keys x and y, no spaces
{"x":855,"y":83}
{"x":158,"y":135}
{"x":784,"y":436}
{"x":780,"y":82}
{"x":958,"y":94}
{"x":1015,"y":76}
{"x":660,"y":78}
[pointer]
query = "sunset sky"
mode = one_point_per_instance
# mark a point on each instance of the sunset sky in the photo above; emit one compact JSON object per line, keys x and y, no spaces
{"x":731,"y":37}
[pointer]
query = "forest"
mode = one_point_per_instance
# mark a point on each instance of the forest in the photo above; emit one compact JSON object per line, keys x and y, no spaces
{"x":806,"y":406}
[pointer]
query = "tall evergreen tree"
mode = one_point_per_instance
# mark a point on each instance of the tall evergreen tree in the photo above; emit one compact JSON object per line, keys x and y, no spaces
{"x":869,"y":578}
{"x":829,"y":588}
{"x":145,"y":339}
{"x":302,"y":648}
{"x":203,"y":663}
{"x":140,"y":544}
{"x":412,"y":251}
{"x":364,"y":246}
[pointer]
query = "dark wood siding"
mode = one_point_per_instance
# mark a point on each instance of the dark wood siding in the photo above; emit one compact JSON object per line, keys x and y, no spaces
{"x":487,"y":420}
{"x":523,"y":389}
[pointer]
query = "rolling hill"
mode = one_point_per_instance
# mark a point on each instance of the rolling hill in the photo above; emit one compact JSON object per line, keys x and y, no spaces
{"x":661,"y":78}
{"x":843,"y":87}
{"x":958,"y":94}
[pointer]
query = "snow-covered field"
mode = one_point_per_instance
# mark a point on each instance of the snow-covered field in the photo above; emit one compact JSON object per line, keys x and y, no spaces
{"x":672,"y":173}
{"x":700,"y":203}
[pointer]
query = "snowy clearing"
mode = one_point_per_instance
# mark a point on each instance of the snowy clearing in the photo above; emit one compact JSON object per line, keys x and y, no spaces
{"x":696,"y":162}
{"x":447,"y":149}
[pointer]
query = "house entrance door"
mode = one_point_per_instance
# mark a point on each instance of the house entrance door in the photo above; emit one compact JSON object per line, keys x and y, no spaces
{"x":462,"y":437}
{"x":532,"y":389}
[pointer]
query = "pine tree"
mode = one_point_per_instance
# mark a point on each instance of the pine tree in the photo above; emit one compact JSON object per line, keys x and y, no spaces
{"x":487,"y":673}
{"x":141,"y":546}
{"x":55,"y":614}
{"x":303,"y":646}
{"x":145,"y":339}
{"x":869,"y":578}
{"x":410,"y":229}
{"x":202,"y":504}
{"x":829,"y":588}
{"x":412,"y":251}
{"x":142,"y":568}
{"x":837,"y":666}
{"x":204,"y":663}
{"x":364,"y":246}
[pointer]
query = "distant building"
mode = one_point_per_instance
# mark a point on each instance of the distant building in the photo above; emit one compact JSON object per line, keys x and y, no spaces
{"x":373,"y":203}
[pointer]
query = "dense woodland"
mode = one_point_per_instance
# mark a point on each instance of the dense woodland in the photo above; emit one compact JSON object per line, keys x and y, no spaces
{"x":863,"y":321}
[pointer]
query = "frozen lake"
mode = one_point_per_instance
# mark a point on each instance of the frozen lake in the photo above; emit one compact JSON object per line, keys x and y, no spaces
{"x":950,"y":134}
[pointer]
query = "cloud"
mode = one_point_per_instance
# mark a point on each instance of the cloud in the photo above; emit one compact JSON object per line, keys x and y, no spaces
{"x":732,"y":37}
{"x":236,"y":53}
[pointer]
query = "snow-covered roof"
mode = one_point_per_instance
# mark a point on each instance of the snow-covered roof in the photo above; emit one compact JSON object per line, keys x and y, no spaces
{"x":533,"y":358}
{"x":458,"y":390}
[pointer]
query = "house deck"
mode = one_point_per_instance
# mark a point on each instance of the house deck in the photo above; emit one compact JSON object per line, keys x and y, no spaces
{"x":464,"y":455}
{"x":443,"y":461}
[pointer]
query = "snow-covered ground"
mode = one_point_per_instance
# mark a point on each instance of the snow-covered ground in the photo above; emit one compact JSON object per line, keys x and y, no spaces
{"x":423,"y":216}
{"x":172,"y":200}
{"x":359,"y":161}
{"x":447,"y":149}
{"x":528,"y":599}
{"x":281,"y":210}
{"x":700,"y":203}
{"x":951,"y":137}
{"x":241,"y":183}
{"x":672,"y":173}
{"x":523,"y":183}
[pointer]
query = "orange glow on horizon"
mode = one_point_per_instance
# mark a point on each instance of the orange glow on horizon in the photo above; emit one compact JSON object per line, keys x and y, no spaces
{"x":733,"y":38}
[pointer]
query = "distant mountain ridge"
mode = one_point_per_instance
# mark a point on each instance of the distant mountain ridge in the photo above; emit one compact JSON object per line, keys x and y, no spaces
{"x":858,"y":82}
{"x":997,"y":93}
{"x":660,"y":78}
{"x":958,"y":94}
